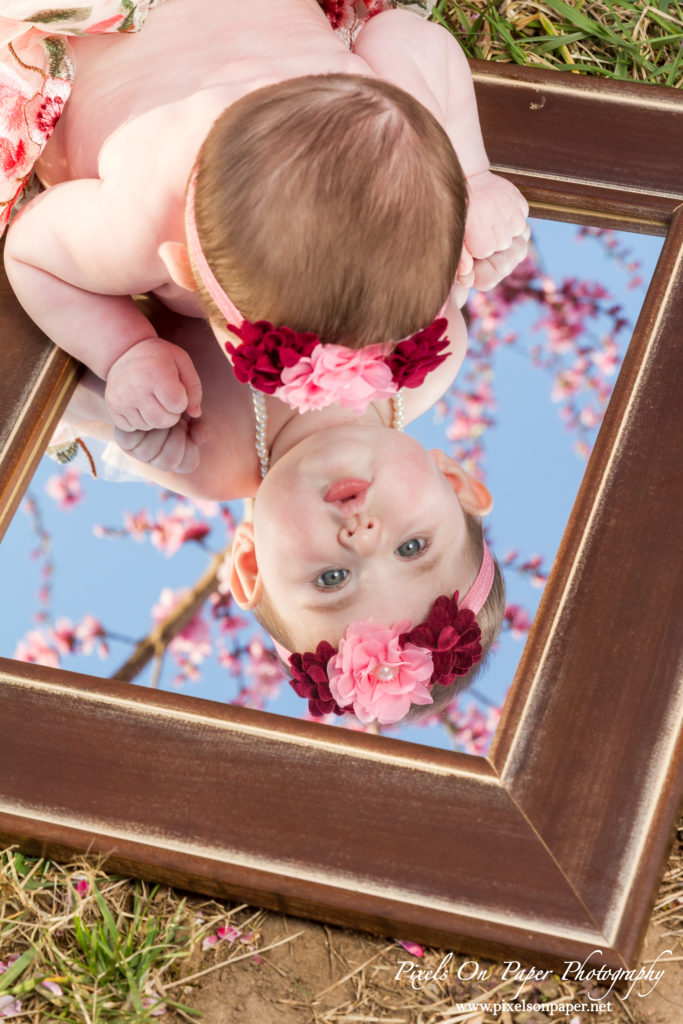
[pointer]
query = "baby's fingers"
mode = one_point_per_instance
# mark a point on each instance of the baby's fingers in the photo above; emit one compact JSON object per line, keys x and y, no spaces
{"x":189,"y":378}
{"x":487,"y":273}
{"x":480,"y":239}
{"x":174,"y":450}
{"x":465,"y":264}
{"x":176,"y":391}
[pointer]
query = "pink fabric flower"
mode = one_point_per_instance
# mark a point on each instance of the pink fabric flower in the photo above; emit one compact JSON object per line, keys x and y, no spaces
{"x":378,"y":677}
{"x":334,"y":374}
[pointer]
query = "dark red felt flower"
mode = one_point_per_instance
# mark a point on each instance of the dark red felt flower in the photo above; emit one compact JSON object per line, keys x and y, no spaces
{"x":265,"y":351}
{"x":414,"y":358}
{"x":339,"y":12}
{"x":309,"y":679}
{"x":453,"y":636}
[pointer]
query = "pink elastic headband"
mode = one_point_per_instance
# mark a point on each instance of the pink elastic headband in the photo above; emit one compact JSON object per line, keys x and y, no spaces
{"x":474,"y":599}
{"x":220,"y":299}
{"x":476,"y":596}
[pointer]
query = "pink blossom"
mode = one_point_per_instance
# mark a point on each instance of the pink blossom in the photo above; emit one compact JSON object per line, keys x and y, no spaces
{"x":64,"y":635}
{"x":412,"y":947}
{"x":152,"y":1002}
{"x":227,"y":933}
{"x":81,"y":884}
{"x":9,"y":1007}
{"x":52,"y":987}
{"x":351,"y":378}
{"x":90,"y":635}
{"x":519,"y":621}
{"x":65,"y":488}
{"x":590,"y":417}
{"x":35,"y":649}
{"x":4,"y":966}
{"x":608,"y":359}
{"x":169,"y":533}
{"x":374,"y":674}
{"x":191,"y":646}
{"x":474,"y":730}
{"x":567,"y":382}
{"x":137,"y":524}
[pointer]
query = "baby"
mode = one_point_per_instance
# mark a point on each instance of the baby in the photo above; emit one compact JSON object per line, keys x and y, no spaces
{"x":328,"y":194}
{"x":325,"y":197}
{"x":353,"y":523}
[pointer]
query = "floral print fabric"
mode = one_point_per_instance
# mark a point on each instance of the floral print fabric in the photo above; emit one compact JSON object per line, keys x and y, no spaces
{"x":37,"y":69}
{"x":36,"y":72}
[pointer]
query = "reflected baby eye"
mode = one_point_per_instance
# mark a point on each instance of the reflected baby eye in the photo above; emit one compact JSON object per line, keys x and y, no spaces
{"x":412,"y":547}
{"x":331,"y":578}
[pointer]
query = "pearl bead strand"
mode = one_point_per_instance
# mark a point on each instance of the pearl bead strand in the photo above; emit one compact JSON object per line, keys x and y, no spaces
{"x":261,"y":416}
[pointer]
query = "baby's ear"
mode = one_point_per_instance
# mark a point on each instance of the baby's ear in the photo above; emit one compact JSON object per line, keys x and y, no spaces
{"x":474,"y":496}
{"x":177,"y":261}
{"x":245,"y":581}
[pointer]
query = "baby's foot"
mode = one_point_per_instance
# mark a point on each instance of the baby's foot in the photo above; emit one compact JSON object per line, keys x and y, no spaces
{"x":175,"y":450}
{"x":151,"y":385}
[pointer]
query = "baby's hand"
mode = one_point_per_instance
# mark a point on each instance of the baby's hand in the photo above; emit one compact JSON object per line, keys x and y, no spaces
{"x":151,"y":385}
{"x":486,"y":274}
{"x":496,"y":231}
{"x":174,"y":450}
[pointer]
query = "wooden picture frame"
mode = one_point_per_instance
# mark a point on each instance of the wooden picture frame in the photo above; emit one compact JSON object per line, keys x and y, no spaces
{"x":552,"y":845}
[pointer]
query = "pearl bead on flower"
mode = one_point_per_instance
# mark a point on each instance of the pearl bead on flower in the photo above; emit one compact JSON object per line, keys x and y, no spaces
{"x":385,"y":673}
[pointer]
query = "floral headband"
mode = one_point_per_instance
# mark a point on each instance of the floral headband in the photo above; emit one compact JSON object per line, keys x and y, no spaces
{"x":379,"y":671}
{"x":297,"y":368}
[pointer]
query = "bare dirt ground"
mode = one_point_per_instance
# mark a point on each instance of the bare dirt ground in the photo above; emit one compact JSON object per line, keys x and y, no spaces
{"x":326,"y":975}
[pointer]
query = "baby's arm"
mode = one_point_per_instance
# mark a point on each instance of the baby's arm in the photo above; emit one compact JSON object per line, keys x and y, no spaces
{"x":426,"y":61}
{"x":74,"y":258}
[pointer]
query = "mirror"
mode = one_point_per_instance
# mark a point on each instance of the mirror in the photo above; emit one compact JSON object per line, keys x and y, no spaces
{"x":517,"y":852}
{"x":544,"y":351}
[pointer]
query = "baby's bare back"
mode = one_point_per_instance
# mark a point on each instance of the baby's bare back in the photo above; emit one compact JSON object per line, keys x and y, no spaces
{"x":191,"y":61}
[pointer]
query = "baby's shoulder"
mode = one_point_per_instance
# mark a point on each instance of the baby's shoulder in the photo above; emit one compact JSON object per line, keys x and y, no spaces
{"x":407,"y":51}
{"x":157,"y":144}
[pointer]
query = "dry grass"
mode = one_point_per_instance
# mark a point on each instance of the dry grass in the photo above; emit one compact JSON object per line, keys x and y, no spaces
{"x":638,"y":41}
{"x":122,"y":951}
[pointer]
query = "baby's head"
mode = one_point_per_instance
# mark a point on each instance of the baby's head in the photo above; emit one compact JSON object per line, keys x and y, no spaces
{"x":360,"y":523}
{"x":333,"y":204}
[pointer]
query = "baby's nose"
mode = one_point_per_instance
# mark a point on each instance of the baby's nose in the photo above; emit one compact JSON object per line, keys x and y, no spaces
{"x":362,"y":533}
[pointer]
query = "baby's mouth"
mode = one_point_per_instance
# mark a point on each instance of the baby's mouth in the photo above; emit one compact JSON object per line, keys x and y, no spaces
{"x":348,"y":495}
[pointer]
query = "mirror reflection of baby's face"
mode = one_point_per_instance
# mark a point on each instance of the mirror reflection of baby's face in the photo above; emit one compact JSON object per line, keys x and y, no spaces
{"x":354,"y":523}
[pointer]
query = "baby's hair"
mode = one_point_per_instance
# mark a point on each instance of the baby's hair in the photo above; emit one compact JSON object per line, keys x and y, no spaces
{"x":489,"y":619}
{"x":333,"y":204}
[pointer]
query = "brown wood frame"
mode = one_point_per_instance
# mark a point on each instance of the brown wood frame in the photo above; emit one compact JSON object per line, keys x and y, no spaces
{"x":553,"y":844}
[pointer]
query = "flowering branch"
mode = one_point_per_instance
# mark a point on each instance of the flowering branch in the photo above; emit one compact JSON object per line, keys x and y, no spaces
{"x":158,"y":639}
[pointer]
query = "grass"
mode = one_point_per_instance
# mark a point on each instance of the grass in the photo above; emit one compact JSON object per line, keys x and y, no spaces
{"x":80,"y":945}
{"x":639,"y":41}
{"x":92,"y":948}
